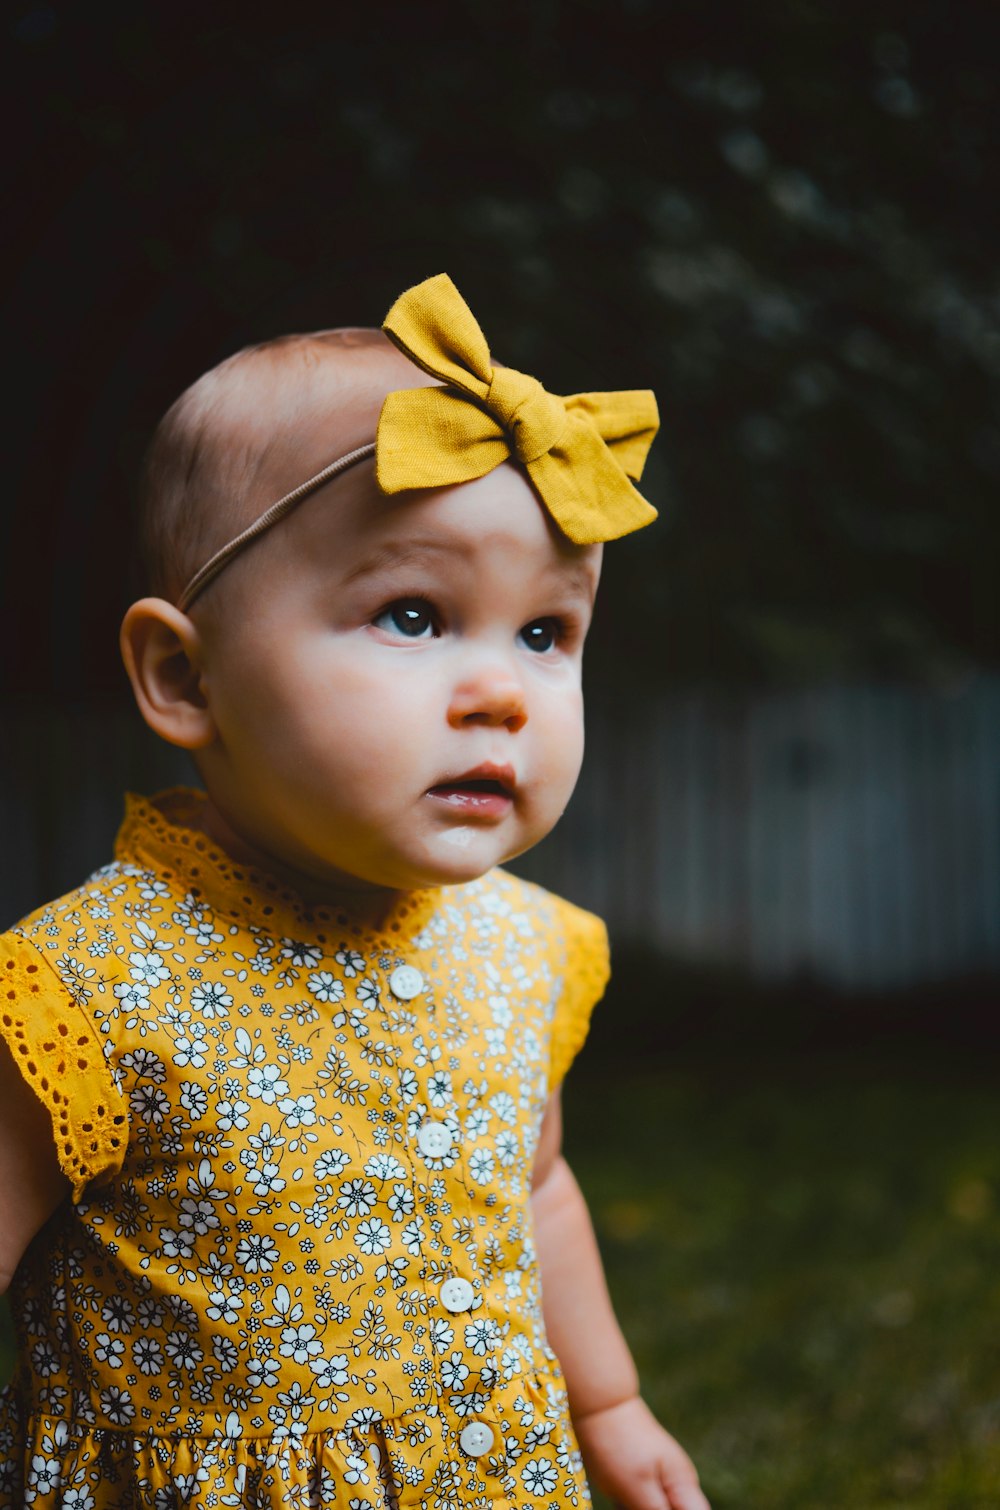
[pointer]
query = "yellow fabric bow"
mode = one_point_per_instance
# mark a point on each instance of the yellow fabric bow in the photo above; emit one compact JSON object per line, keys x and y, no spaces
{"x":579,"y":452}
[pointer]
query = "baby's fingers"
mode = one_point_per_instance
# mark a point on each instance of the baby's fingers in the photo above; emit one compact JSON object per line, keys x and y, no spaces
{"x":685,"y":1494}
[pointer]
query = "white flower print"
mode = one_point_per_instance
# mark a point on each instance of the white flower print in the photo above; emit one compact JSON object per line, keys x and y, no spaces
{"x":211,"y":999}
{"x":368,"y":992}
{"x":198,"y":1215}
{"x":505,"y":1106}
{"x":191,"y":1050}
{"x":224,"y":1307}
{"x":469,"y":1404}
{"x":373,"y":1236}
{"x":44,"y":1360}
{"x":266,"y":1180}
{"x":382,"y":1166}
{"x":262,"y":1373}
{"x":109,"y":1350}
{"x":442,"y":1335}
{"x":352,"y":964}
{"x":540,"y":1476}
{"x":265,"y":1144}
{"x":300,"y":954}
{"x":77,"y":1499}
{"x":408,"y":1086}
{"x":298,"y":1111}
{"x":401,"y":1202}
{"x":183,"y":1350}
{"x":454,"y":1371}
{"x":412,"y":1235}
{"x":481,"y":1165}
{"x":257,"y":1252}
{"x":132,"y":994}
{"x":316,"y":1215}
{"x":496,"y":1042}
{"x":176,"y":1244}
{"x":232,"y":1114}
{"x":226,"y":1353}
{"x":300,"y":1343}
{"x":331,"y":1162}
{"x":439,"y":1092}
{"x":357,"y":1197}
{"x":325,"y":987}
{"x":147,"y":1355}
{"x":148,"y":968}
{"x":147,"y":938}
{"x":506,"y":1147}
{"x":43,"y":1476}
{"x":117,"y":1405}
{"x":482,"y":1335}
{"x":500,"y":1011}
{"x":330,"y":1373}
{"x":264,"y":1082}
{"x":148,"y":1103}
{"x":194,"y":1099}
{"x":477,"y":1123}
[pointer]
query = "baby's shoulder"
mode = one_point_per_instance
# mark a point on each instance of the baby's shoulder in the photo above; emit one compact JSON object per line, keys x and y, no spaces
{"x":536,"y":912}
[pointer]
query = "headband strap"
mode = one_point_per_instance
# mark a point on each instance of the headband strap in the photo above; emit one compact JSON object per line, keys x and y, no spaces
{"x":277,"y":511}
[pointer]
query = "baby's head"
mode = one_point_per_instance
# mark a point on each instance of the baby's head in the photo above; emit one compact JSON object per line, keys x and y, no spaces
{"x":382,"y":689}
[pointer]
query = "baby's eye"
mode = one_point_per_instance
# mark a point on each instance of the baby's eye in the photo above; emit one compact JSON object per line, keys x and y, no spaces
{"x":409,"y":617}
{"x":540,"y":634}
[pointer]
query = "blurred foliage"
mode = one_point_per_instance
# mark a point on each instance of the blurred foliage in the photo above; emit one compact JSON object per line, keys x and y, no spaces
{"x":782,"y":217}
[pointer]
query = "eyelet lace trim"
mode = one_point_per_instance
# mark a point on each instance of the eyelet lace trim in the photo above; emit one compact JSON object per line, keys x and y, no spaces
{"x":586,"y":970}
{"x":163,"y":832}
{"x":57,"y":1051}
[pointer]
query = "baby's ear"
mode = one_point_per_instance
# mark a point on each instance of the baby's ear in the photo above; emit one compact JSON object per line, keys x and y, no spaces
{"x":163,"y":656}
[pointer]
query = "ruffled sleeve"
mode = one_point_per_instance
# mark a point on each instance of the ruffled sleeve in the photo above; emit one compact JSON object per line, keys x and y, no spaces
{"x":55,"y":1046}
{"x":586,"y":968}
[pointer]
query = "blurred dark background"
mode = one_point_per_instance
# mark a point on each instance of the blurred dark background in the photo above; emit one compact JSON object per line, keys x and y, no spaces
{"x":783,"y":218}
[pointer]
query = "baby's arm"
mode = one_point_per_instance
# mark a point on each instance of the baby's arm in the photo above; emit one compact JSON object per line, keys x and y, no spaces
{"x":628,"y":1454}
{"x":31,"y":1182}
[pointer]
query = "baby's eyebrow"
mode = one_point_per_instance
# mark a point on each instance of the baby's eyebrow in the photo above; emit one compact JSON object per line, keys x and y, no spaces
{"x":395,"y":554}
{"x":575,"y":577}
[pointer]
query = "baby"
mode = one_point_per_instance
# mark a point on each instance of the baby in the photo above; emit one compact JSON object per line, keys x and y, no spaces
{"x":282,"y":1203}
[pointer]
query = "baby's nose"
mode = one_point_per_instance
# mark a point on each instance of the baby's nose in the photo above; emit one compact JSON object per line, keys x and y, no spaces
{"x":490,"y":694}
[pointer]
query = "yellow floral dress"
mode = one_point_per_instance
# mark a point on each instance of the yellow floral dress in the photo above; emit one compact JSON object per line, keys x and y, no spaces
{"x":296,"y":1267}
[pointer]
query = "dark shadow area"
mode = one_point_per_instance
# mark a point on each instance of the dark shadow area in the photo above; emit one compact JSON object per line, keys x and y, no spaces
{"x":663,"y":1011}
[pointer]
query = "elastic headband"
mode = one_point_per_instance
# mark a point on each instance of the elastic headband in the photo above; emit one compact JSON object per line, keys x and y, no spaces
{"x":277,"y":511}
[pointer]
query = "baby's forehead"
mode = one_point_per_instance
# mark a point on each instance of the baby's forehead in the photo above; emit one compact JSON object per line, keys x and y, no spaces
{"x":352,"y":529}
{"x":303,"y":402}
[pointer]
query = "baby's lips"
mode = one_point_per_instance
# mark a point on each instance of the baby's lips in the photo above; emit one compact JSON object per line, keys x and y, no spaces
{"x":488,"y":776}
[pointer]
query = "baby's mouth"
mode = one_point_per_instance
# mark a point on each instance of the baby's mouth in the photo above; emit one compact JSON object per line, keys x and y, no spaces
{"x":488,"y":791}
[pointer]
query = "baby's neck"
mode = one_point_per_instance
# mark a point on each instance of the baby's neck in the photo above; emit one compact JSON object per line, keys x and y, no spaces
{"x":367,"y":902}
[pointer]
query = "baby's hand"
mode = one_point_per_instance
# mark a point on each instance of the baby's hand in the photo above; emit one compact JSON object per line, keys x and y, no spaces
{"x":635,"y":1462}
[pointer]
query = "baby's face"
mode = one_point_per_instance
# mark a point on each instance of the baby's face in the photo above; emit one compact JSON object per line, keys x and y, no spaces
{"x":396,"y":681}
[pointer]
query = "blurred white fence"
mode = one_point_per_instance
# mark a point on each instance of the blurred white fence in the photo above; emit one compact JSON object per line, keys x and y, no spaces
{"x":851,"y":832}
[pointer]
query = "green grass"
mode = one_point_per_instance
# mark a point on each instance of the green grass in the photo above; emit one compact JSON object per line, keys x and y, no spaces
{"x":806,"y":1258}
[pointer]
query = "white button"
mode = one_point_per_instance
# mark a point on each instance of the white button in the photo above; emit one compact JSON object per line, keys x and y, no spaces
{"x":476,"y":1438}
{"x":405,"y":982}
{"x":457,"y":1294}
{"x":434,"y":1140}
